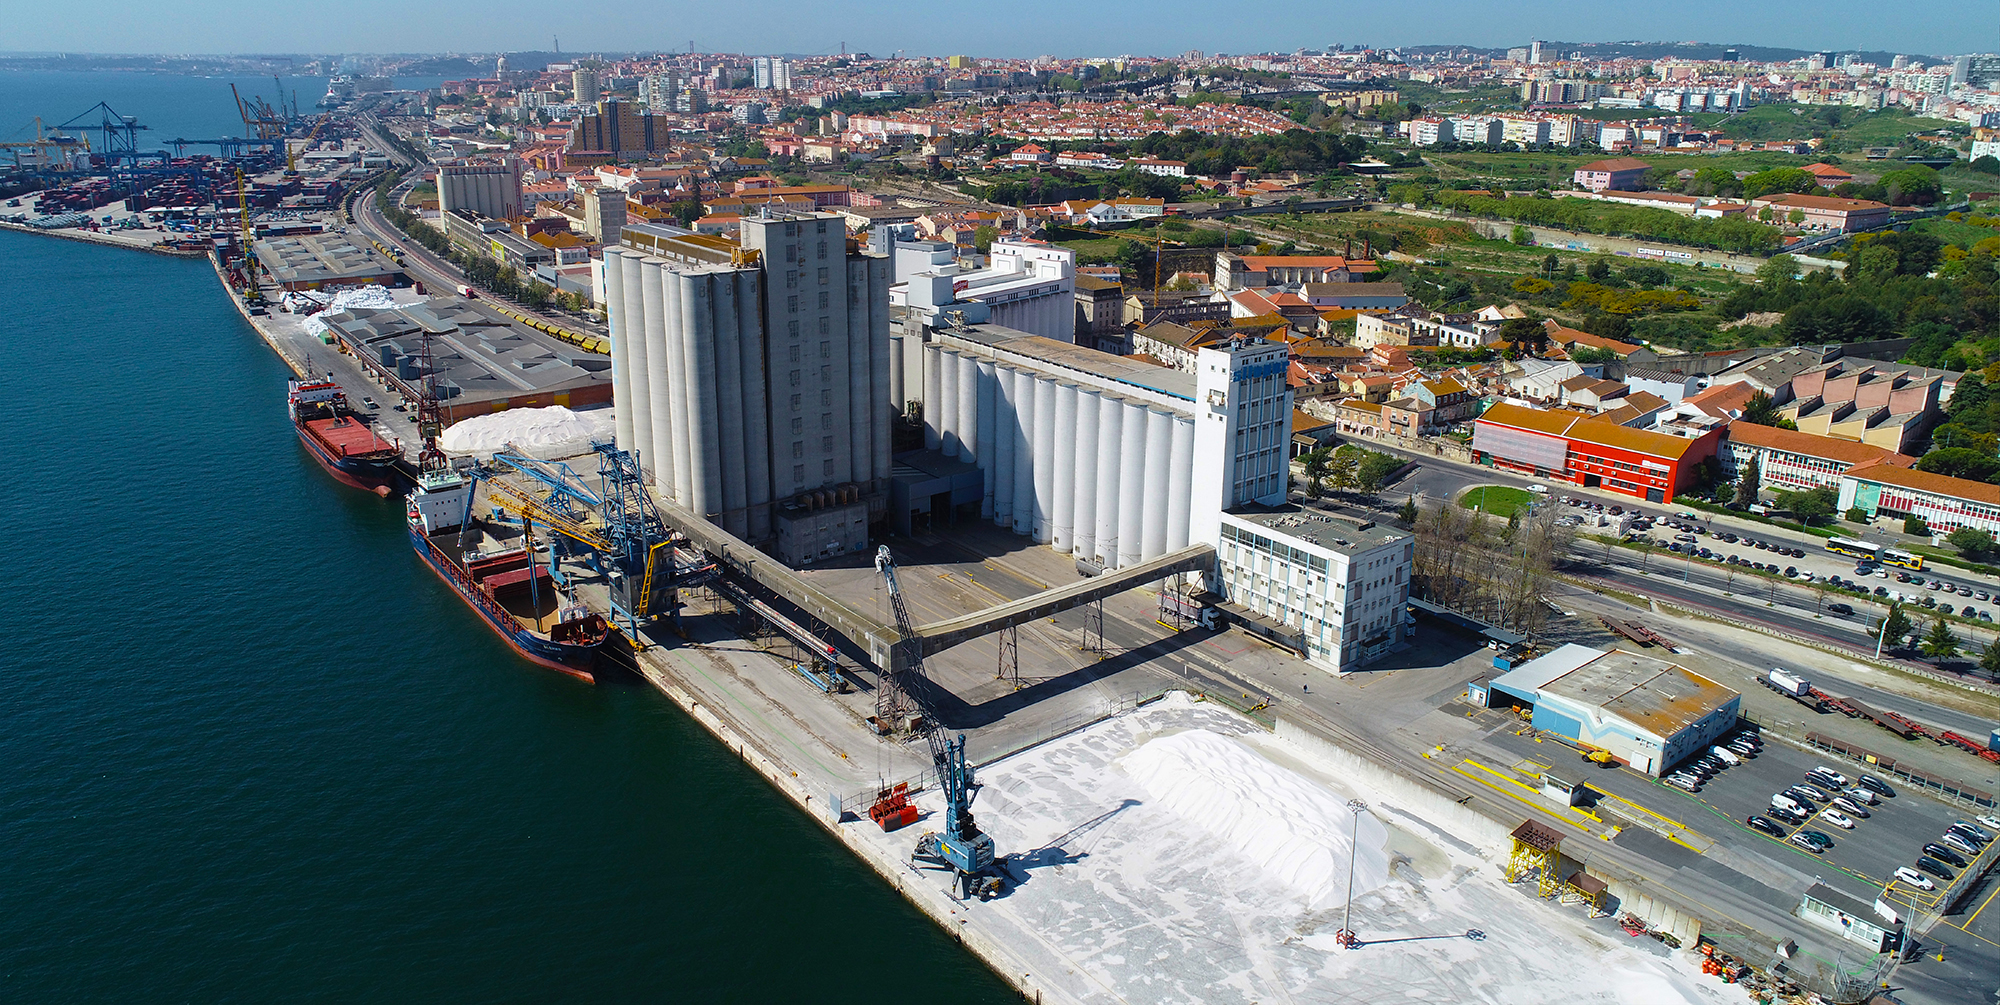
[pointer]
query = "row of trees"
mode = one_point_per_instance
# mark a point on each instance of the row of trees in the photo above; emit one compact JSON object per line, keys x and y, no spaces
{"x":1489,"y":570}
{"x":479,"y":270}
{"x":1728,"y":234}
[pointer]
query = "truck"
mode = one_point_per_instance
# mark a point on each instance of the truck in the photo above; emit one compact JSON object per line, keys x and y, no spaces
{"x":1797,"y":687}
{"x":466,"y":291}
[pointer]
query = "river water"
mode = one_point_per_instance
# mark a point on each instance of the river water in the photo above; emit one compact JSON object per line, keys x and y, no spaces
{"x":253,"y":751}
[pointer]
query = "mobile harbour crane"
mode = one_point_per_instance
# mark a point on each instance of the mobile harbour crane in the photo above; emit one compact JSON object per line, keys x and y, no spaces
{"x":961,"y":847}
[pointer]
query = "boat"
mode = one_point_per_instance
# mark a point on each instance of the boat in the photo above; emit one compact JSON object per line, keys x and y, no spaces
{"x":495,"y":569}
{"x":339,"y":91}
{"x":345,"y":444}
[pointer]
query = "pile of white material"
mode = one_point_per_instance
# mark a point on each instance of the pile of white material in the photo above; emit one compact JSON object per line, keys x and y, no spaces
{"x":360,"y":298}
{"x":546,"y":433}
{"x":1295,"y":830}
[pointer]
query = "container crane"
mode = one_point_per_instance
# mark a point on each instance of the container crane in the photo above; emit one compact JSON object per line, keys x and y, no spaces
{"x":250,"y":290}
{"x":961,"y":847}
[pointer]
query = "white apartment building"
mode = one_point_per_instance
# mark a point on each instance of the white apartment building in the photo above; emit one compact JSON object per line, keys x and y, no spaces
{"x":1026,"y":286}
{"x":1430,"y":132}
{"x":1337,"y":591}
{"x":1525,"y":131}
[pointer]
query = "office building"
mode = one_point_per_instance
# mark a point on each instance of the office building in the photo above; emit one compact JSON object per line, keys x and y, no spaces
{"x":1027,"y":286}
{"x":583,"y":87}
{"x":753,"y":389}
{"x":769,"y":73}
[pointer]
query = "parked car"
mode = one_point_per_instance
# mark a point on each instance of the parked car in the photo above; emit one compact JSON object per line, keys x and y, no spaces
{"x":1765,"y":824}
{"x":1812,"y":792}
{"x":1801,"y":794}
{"x":1829,"y":774}
{"x":1849,"y":807}
{"x":1860,"y":795}
{"x":1819,"y":838}
{"x":1971,"y":833}
{"x":1836,"y":818}
{"x":1875,"y":785}
{"x":1935,"y":868}
{"x":1988,"y":820}
{"x":1964,"y":847}
{"x":1938,"y":851}
{"x":1788,"y":816}
{"x":1841,"y":609}
{"x":1801,"y":840}
{"x":1914,"y":878}
{"x":1684,"y":782}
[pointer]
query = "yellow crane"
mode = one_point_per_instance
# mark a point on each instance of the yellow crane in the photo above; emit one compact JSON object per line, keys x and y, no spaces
{"x":49,"y":148}
{"x":291,"y":159}
{"x":250,"y":290}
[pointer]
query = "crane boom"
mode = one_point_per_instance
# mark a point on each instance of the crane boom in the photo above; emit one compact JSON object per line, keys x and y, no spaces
{"x":962,"y":847}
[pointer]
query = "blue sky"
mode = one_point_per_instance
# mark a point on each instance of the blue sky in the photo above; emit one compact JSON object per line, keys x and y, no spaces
{"x":1021,"y":28}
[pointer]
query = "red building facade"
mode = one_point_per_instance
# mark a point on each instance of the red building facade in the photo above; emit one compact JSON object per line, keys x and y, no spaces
{"x":1590,"y":451}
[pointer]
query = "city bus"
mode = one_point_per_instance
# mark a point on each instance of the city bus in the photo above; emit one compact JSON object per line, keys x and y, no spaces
{"x":1867,"y":552}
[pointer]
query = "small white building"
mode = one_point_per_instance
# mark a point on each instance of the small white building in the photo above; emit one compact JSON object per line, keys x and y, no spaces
{"x":1335,"y":591}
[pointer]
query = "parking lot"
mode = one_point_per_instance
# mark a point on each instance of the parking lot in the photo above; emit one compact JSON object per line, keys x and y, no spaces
{"x":1893,"y":834}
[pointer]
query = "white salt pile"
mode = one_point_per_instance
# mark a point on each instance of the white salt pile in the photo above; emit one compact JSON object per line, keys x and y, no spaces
{"x":360,"y":298}
{"x":1292,"y":827}
{"x":547,"y":433}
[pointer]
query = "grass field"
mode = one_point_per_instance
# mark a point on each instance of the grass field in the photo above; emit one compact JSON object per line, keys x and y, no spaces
{"x":1095,"y":251}
{"x":1498,"y":500}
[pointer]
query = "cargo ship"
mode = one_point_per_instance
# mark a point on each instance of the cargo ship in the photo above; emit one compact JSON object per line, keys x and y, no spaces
{"x":494,"y":569}
{"x":346,"y":445}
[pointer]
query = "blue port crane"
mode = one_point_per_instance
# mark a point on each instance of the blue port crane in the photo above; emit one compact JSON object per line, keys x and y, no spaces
{"x":961,"y":847}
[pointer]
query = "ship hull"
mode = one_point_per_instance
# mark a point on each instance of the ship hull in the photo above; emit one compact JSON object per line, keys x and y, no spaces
{"x":576,"y":661}
{"x":377,"y":476}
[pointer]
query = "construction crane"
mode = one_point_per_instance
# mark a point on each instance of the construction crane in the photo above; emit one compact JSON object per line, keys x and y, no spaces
{"x":51,"y":149}
{"x":259,"y":120}
{"x":961,"y":847}
{"x":250,"y":290}
{"x":291,"y":159}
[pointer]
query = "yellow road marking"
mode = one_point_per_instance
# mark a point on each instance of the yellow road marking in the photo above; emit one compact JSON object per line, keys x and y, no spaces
{"x":1974,"y":916}
{"x":1534,"y":797}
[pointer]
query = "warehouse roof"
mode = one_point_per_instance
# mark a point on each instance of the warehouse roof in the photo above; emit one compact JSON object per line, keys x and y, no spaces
{"x":1927,"y":481}
{"x":1588,"y":429}
{"x":314,"y":259}
{"x":1814,"y":445}
{"x":1653,"y":694}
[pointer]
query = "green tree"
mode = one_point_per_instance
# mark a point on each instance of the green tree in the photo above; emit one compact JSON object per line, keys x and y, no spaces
{"x":1749,"y":485}
{"x":1813,"y":505}
{"x":1522,"y":236}
{"x":1760,"y":410}
{"x":983,"y":238}
{"x":1940,"y":642}
{"x":1916,"y":527}
{"x":1970,"y":542}
{"x":1376,"y":469}
{"x":1781,"y":179}
{"x":1960,"y":462}
{"x":1344,"y":470}
{"x":1778,"y":270}
{"x":1317,"y":464}
{"x":1989,"y":660}
{"x":1857,"y":515}
{"x":1408,"y":514}
{"x":1896,"y":626}
{"x":1795,"y":217}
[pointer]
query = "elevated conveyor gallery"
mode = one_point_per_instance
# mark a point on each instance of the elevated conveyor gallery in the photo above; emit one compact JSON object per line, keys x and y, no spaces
{"x":744,"y":562}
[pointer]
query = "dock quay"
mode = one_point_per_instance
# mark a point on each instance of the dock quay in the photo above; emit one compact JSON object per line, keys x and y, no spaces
{"x":129,"y":240}
{"x":1047,"y":743}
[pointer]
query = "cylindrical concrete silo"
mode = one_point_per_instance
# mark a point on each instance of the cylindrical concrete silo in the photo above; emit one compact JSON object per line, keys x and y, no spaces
{"x":878,"y":348}
{"x":1132,"y":484}
{"x":735,"y":487}
{"x":665,"y":471}
{"x":1062,"y":522}
{"x":681,"y":395}
{"x":989,"y":401}
{"x":933,"y":390}
{"x":756,"y":414}
{"x":636,"y":272}
{"x":705,"y":495}
{"x":1045,"y":457}
{"x":1180,"y":483}
{"x":1004,"y":433}
{"x":653,"y":302}
{"x":948,"y":413}
{"x":623,"y":331}
{"x":1159,"y":453}
{"x":1110,"y":441}
{"x":896,"y":394}
{"x":1025,"y":386}
{"x":1084,"y":477}
{"x":968,"y":409}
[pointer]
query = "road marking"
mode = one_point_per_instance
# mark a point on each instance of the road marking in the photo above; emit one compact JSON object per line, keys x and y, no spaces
{"x":1974,"y":916}
{"x":1534,"y":797}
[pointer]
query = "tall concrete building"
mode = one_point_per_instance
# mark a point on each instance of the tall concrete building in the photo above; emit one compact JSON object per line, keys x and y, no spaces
{"x":583,"y":87}
{"x":771,"y":73}
{"x":756,"y":393}
{"x":491,"y":189}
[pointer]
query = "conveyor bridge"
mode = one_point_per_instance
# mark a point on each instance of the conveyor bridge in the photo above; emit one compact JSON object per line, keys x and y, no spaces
{"x":740,"y":560}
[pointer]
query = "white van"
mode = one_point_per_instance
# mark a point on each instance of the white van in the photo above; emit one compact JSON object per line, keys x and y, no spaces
{"x":1785,"y":802}
{"x":1726,"y":756}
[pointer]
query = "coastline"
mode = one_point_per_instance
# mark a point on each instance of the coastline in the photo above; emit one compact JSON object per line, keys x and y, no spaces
{"x":757,"y":751}
{"x":107,"y":240}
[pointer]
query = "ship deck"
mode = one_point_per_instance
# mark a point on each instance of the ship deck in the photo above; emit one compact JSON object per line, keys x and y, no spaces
{"x":350,"y":436}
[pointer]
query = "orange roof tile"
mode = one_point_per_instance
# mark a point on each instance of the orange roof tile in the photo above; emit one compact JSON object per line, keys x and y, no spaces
{"x":1589,"y":429}
{"x":1814,"y":445}
{"x":1926,"y":481}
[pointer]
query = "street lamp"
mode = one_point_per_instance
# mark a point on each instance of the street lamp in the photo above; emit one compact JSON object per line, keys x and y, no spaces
{"x":1345,"y":936}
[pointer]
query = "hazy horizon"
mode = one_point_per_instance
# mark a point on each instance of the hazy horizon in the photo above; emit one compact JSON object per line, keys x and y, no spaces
{"x":1031,"y":28}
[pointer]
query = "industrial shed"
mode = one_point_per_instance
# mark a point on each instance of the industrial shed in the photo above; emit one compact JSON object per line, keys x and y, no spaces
{"x":1646,"y":711}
